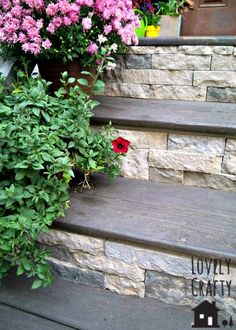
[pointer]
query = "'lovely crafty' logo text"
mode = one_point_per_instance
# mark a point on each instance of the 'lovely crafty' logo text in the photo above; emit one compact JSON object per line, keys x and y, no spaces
{"x":212,"y":268}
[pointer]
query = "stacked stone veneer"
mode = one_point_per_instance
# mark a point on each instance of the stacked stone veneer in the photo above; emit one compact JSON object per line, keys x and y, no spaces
{"x":195,"y":73}
{"x":130,"y":270}
{"x":181,"y":158}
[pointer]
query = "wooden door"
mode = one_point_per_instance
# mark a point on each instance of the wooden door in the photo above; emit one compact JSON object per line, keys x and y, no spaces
{"x":210,"y":18}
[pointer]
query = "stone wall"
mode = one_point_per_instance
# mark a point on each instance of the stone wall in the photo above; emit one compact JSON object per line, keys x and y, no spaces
{"x":178,"y":158}
{"x":131,"y":270}
{"x":195,"y":73}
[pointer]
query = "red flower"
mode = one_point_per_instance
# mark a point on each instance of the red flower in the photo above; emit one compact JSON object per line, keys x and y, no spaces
{"x":120,"y":145}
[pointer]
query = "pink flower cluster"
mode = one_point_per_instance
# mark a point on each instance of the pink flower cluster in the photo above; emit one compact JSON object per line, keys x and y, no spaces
{"x":32,"y":23}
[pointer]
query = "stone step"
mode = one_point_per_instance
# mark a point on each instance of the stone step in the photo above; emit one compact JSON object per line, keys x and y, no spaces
{"x":141,"y":238}
{"x":180,"y":142}
{"x":66,"y":305}
{"x":156,"y":215}
{"x":188,"y":116}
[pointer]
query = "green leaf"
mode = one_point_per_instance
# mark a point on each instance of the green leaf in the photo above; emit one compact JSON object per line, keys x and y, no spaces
{"x":27,"y":264}
{"x":99,"y":84}
{"x":71,"y":144}
{"x":83,"y":82}
{"x":20,"y":174}
{"x":36,"y":111}
{"x":71,"y":80}
{"x":5,"y":109}
{"x":37,"y":284}
{"x":64,"y":74}
{"x":87,"y":73}
{"x":20,"y":270}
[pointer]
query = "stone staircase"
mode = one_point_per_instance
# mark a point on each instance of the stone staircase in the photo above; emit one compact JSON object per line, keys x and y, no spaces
{"x":145,"y":234}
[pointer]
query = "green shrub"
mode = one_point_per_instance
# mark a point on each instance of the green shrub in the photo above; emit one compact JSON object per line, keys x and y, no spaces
{"x":42,"y":138}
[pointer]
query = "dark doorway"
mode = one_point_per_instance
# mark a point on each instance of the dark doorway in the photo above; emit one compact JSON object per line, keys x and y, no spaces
{"x":210,"y":18}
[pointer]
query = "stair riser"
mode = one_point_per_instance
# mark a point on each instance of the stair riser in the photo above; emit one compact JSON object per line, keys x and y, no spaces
{"x":181,"y":158}
{"x":135,"y":270}
{"x":188,"y":73}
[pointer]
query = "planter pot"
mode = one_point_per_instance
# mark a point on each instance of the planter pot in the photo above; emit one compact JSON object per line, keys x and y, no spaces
{"x":140,"y":32}
{"x":152,"y":31}
{"x":51,"y":70}
{"x":170,"y":26}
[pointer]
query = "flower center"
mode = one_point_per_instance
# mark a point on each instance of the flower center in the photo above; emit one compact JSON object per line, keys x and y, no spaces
{"x":120,"y":146}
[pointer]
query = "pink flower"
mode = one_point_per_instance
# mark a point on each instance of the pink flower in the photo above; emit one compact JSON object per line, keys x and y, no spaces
{"x":28,"y":23}
{"x":46,"y":44}
{"x":107,"y":29}
{"x":6,"y":4}
{"x":92,"y":48}
{"x":51,"y":28}
{"x":39,"y":23}
{"x":64,"y":6}
{"x":16,"y":11}
{"x":66,"y":21}
{"x":22,"y":37}
{"x":114,"y":47}
{"x":52,"y":9}
{"x":31,"y":47}
{"x":101,"y":39}
{"x":86,"y":23}
{"x":38,"y":4}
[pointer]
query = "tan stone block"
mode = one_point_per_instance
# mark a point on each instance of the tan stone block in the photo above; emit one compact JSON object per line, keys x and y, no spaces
{"x":184,"y":93}
{"x":176,"y":265}
{"x":231,"y":146}
{"x":166,"y":50}
{"x":159,"y":77}
{"x":145,"y":139}
{"x":196,"y":50}
{"x":126,"y":90}
{"x":206,"y":50}
{"x":73,"y":242}
{"x":135,"y":164}
{"x":181,"y":62}
{"x":180,"y":161}
{"x":102,"y":263}
{"x":165,"y":176}
{"x":124,"y":286}
{"x":140,"y":50}
{"x":196,"y":144}
{"x":214,"y":78}
{"x":216,"y":181}
{"x":223,"y":63}
{"x":229,"y":164}
{"x":223,"y":50}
